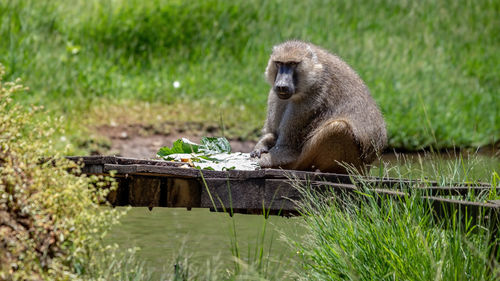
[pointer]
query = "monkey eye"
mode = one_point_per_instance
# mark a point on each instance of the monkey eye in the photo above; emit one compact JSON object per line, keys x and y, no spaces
{"x":278,"y":64}
{"x":293,"y":63}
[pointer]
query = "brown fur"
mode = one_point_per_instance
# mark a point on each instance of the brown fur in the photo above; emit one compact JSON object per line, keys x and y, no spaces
{"x":330,"y":119}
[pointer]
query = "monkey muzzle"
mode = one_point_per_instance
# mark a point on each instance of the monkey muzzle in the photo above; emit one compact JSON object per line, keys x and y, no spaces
{"x":284,"y":85}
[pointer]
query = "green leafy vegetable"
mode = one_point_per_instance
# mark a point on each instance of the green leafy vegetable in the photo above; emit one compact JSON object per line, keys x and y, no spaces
{"x":208,"y":146}
{"x":214,"y":145}
{"x":178,"y":147}
{"x":210,"y":154}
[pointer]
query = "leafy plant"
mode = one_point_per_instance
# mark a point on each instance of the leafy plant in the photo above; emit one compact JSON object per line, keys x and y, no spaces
{"x":208,"y":146}
{"x":178,"y":147}
{"x":51,"y":221}
{"x":214,"y":145}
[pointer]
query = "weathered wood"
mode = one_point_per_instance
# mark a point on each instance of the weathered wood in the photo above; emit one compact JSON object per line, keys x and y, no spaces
{"x":105,"y":164}
{"x":163,"y":183}
{"x":98,"y":159}
{"x":229,"y":193}
{"x":183,"y":193}
{"x":144,"y":191}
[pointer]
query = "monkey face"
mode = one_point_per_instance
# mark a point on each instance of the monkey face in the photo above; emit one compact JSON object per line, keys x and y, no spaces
{"x":286,"y":79}
{"x":293,"y":69}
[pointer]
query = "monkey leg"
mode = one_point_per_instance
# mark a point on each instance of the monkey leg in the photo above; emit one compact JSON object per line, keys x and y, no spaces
{"x":330,"y":148}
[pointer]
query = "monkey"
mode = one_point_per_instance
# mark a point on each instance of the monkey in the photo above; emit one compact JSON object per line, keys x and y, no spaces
{"x":320,"y":114}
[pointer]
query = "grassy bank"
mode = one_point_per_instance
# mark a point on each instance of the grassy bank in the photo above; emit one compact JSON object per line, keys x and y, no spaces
{"x":370,"y":236}
{"x":432,"y":67}
{"x":384,"y":239}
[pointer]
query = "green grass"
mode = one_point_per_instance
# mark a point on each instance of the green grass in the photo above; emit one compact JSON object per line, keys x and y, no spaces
{"x":388,"y":240}
{"x":372,"y":237}
{"x":431,"y":66}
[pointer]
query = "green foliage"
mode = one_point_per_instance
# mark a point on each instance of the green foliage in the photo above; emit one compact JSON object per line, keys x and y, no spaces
{"x":431,"y":66}
{"x":179,"y":146}
{"x":208,"y":146}
{"x":51,"y":222}
{"x":214,"y":145}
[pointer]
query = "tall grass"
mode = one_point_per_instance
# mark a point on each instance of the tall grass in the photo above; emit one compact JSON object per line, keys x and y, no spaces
{"x":445,"y":168}
{"x":417,"y":57}
{"x":374,"y":237}
{"x":389,"y":240}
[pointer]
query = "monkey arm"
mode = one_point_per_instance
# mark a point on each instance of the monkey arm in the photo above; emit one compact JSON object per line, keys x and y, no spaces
{"x":265,"y":143}
{"x":289,"y":124}
{"x":268,"y":140}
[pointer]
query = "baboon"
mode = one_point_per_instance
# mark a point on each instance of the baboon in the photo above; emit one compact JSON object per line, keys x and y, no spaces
{"x":320,"y":114}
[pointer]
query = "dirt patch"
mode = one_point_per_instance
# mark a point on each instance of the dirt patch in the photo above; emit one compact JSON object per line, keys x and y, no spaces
{"x":139,"y":141}
{"x":143,"y":141}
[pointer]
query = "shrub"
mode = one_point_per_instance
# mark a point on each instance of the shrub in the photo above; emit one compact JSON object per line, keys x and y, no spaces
{"x":51,"y":221}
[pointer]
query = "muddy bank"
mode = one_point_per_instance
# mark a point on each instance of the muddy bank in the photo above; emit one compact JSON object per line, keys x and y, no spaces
{"x":138,"y":141}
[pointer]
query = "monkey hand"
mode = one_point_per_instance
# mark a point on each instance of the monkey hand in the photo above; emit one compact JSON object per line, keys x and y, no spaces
{"x":265,"y":143}
{"x":258,"y":152}
{"x":265,"y":161}
{"x":278,"y":157}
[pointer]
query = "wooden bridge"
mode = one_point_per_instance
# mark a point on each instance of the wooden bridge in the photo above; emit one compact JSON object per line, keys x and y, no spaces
{"x":157,"y":183}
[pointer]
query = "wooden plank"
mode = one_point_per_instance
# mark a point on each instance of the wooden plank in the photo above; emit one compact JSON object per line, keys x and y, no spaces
{"x":449,"y":190}
{"x":431,"y":190}
{"x":252,"y":179}
{"x":144,"y":191}
{"x":154,"y":162}
{"x":93,"y":160}
{"x":267,"y":173}
{"x":169,"y":170}
{"x":228,"y":193}
{"x":280,"y":195}
{"x":165,"y":167}
{"x":183,"y":193}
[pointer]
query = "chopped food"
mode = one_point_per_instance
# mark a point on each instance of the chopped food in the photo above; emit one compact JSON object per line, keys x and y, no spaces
{"x":211,"y":154}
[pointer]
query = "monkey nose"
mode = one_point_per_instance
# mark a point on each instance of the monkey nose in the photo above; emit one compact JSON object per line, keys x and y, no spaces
{"x":283,"y":89}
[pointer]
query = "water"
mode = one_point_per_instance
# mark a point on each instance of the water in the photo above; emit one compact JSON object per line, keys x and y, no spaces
{"x":166,"y":233}
{"x":453,"y":166}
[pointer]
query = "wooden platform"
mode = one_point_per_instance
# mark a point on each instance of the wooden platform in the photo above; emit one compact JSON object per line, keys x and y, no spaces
{"x":156,"y":183}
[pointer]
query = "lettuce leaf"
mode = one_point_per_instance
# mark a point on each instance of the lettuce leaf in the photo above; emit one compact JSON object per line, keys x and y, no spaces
{"x":208,"y":146}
